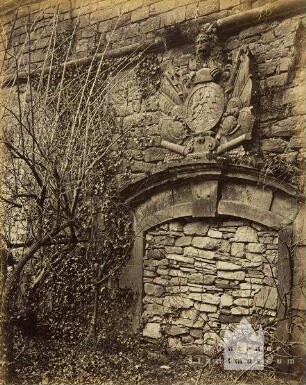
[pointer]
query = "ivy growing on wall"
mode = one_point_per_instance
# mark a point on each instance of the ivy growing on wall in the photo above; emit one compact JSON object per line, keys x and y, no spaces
{"x":148,"y":74}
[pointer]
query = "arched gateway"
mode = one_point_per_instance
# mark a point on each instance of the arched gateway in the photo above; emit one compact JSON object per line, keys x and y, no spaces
{"x":211,"y":246}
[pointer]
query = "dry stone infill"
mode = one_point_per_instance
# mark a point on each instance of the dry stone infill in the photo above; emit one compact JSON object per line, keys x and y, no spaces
{"x":201,"y":276}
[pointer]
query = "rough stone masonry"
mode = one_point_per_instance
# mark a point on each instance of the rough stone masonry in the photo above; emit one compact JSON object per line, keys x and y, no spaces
{"x":200,"y":276}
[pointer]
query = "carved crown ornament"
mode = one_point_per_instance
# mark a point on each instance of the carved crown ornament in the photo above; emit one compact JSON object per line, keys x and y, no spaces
{"x":213,"y":111}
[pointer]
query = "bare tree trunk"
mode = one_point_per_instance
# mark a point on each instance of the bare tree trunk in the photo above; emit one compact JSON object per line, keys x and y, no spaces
{"x":8,"y":300}
{"x":3,"y":274}
{"x":92,"y":332}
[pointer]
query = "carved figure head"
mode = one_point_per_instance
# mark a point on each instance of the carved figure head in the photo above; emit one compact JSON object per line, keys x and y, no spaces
{"x":205,"y":41}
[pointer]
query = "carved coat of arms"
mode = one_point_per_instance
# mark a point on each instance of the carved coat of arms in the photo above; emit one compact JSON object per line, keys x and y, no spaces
{"x":213,"y":110}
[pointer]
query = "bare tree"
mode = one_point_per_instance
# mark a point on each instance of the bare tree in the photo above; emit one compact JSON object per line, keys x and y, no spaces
{"x":63,"y":147}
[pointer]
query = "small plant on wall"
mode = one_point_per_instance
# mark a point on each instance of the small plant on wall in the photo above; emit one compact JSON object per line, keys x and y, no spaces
{"x":148,"y":73}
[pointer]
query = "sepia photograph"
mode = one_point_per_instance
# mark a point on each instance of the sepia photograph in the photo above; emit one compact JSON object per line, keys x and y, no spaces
{"x":152,"y":192}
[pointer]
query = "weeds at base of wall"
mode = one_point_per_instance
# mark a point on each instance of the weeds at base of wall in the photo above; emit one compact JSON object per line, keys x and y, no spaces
{"x":147,"y":366}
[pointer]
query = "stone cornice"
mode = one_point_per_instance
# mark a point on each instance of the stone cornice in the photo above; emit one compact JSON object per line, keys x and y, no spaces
{"x":280,"y":8}
{"x":187,"y":170}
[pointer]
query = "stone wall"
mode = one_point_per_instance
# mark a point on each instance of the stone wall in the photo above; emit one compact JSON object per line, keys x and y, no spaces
{"x":200,"y":276}
{"x":197,"y":276}
{"x":135,"y":20}
{"x":276,"y":45}
{"x":280,"y":96}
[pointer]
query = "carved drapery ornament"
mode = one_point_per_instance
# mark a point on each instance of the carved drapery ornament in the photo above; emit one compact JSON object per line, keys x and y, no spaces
{"x":213,"y":111}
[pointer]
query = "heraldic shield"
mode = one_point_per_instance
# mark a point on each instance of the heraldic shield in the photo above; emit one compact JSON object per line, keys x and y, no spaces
{"x":205,"y":106}
{"x":212,"y":112}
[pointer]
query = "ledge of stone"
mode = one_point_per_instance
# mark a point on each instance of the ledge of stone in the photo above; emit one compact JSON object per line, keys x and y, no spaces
{"x":182,"y":172}
{"x":261,"y":14}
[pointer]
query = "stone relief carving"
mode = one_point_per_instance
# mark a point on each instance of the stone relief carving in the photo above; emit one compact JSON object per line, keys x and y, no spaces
{"x":212,"y":111}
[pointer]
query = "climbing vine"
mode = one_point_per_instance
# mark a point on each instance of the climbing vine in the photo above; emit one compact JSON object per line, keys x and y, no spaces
{"x":148,"y":74}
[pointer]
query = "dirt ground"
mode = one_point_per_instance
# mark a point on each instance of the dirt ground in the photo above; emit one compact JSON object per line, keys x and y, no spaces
{"x":177,"y":373}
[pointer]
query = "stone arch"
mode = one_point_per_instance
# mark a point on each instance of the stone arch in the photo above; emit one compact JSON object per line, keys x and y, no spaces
{"x":204,"y":190}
